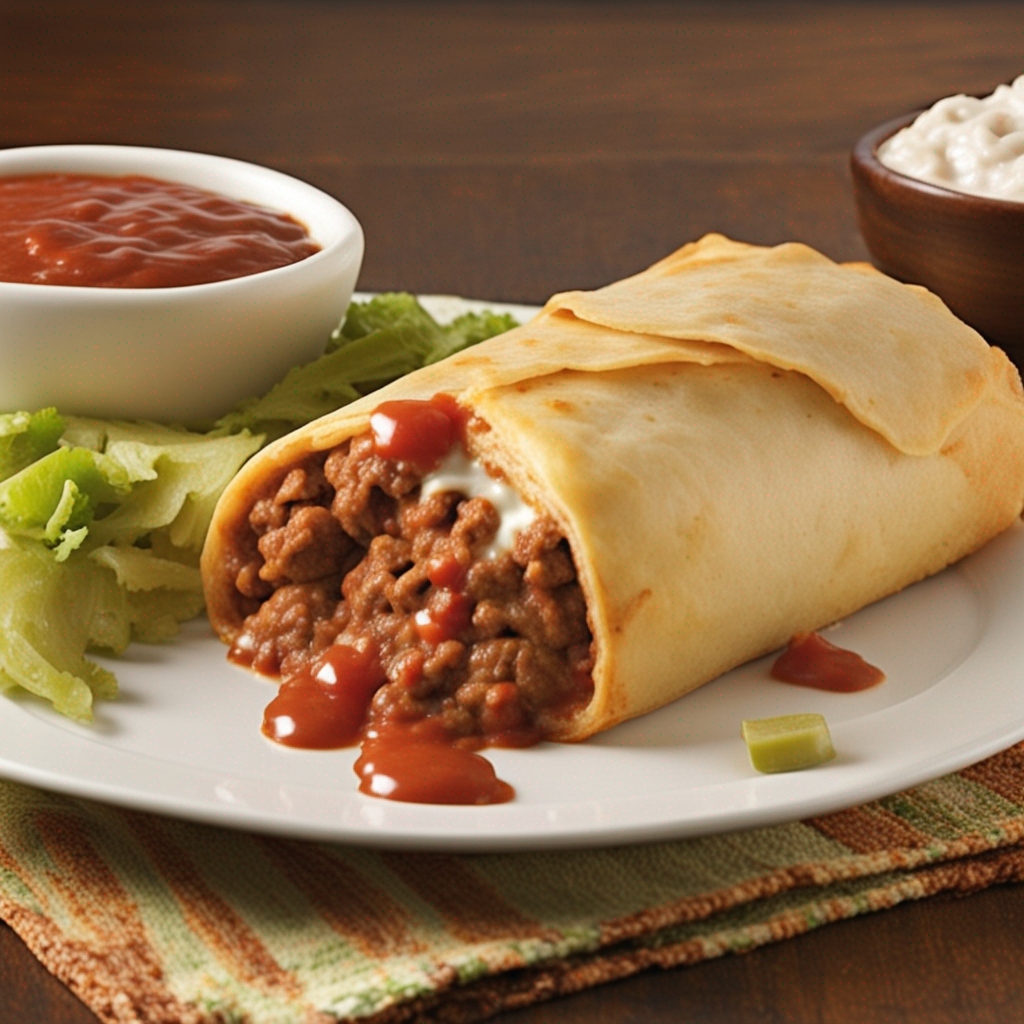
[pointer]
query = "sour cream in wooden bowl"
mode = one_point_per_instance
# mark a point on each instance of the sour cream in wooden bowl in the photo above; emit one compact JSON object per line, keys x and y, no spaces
{"x":965,"y":143}
{"x":928,"y":223}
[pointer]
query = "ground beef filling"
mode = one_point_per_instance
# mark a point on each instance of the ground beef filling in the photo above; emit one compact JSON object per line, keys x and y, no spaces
{"x":347,"y":551}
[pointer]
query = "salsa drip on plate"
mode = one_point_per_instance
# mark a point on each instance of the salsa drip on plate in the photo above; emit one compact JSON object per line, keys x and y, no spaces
{"x":395,"y":623}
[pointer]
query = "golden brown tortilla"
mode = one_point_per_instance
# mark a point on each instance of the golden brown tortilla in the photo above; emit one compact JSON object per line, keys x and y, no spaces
{"x":739,"y":443}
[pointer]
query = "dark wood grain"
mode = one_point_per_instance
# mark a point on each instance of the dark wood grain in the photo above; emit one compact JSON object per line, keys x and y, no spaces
{"x":508,"y":150}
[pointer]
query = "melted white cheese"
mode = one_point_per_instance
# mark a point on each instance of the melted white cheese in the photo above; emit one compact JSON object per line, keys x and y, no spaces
{"x":966,"y":144}
{"x":458,"y":472}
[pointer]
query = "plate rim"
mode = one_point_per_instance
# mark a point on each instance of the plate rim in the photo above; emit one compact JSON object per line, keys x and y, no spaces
{"x":645,"y":820}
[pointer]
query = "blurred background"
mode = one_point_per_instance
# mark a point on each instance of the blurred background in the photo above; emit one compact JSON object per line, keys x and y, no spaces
{"x":580,"y":141}
{"x":507,"y":150}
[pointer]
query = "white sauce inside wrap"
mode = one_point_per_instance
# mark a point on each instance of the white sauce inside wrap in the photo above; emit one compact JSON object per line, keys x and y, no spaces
{"x":459,"y":472}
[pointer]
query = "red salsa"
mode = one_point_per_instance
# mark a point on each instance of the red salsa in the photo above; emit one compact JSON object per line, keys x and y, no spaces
{"x":417,"y":432}
{"x":136,"y":232}
{"x":329,"y":703}
{"x":810,"y":660}
{"x":419,"y":764}
{"x":326,"y":708}
{"x":413,"y":763}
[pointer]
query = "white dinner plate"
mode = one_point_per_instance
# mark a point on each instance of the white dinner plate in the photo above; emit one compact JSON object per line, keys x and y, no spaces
{"x":184,"y":737}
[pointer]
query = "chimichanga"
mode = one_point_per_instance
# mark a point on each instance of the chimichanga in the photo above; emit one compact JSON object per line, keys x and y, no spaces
{"x":655,"y":482}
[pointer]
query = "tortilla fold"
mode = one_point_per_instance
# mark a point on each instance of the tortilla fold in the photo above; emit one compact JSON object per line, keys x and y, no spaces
{"x":739,"y":443}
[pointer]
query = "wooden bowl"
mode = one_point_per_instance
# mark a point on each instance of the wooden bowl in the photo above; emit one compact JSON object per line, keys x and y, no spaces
{"x":968,"y":250}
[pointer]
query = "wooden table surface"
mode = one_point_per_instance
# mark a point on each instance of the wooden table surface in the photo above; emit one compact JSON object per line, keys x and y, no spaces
{"x":509,"y":150}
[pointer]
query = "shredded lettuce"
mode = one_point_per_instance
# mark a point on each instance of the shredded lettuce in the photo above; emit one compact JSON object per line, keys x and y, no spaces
{"x":25,"y":437}
{"x":102,"y":523}
{"x":51,"y":613}
{"x":377,"y":342}
{"x":56,"y":497}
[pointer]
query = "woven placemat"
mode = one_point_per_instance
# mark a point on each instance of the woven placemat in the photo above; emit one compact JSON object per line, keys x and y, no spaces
{"x":149,"y":919}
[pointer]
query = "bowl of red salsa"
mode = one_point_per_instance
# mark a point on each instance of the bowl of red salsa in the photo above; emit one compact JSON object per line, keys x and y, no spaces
{"x":162,"y":285}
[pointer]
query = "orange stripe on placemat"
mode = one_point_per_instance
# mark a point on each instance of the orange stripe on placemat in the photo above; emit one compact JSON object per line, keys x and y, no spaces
{"x":565,"y":976}
{"x":869,"y":829}
{"x":120,"y":961}
{"x":222,"y":930}
{"x":107,"y":981}
{"x":971,"y":874}
{"x":1003,"y":774}
{"x":352,"y":905}
{"x":471,"y":909}
{"x":89,"y":890}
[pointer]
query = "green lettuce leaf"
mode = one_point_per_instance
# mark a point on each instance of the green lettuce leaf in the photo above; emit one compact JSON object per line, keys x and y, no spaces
{"x":56,"y":498}
{"x":25,"y":437}
{"x":175,"y":486}
{"x":378,"y":341}
{"x":51,"y":613}
{"x":102,"y":522}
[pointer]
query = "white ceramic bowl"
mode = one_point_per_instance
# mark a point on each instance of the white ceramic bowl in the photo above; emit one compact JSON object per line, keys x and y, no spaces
{"x":181,"y":355}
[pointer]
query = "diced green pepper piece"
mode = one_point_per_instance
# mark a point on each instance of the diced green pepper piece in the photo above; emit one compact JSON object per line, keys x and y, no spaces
{"x":788,"y":743}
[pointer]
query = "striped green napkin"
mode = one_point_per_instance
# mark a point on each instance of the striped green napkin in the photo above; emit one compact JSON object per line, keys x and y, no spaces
{"x":148,"y":919}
